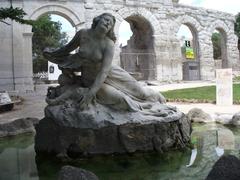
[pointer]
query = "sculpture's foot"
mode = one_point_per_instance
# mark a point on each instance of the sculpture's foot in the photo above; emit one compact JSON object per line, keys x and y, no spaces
{"x":156,"y":113}
{"x":146,"y":105}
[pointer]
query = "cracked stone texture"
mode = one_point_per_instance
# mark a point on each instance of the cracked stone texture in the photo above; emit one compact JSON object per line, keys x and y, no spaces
{"x":18,"y":126}
{"x":91,"y":135}
{"x":73,"y":173}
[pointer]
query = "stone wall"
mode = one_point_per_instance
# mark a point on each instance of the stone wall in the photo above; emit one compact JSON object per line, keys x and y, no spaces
{"x":164,"y":17}
{"x":204,"y":22}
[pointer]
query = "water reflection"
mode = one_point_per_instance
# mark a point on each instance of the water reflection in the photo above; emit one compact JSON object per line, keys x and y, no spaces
{"x":17,"y":159}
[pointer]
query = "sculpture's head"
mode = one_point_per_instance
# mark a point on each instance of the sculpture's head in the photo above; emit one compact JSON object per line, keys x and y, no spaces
{"x":107,"y":20}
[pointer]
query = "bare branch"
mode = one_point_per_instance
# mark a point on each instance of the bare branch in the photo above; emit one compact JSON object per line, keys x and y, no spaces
{"x":4,"y":22}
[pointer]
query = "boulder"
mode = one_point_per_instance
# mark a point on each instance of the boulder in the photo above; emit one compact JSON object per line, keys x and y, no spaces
{"x":73,"y":173}
{"x":19,"y":126}
{"x":226,"y":168}
{"x":236,"y":119}
{"x":102,"y":130}
{"x":198,"y":115}
{"x":224,"y":119}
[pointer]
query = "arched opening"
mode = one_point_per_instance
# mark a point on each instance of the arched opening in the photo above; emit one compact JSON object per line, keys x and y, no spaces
{"x":51,"y":31}
{"x":124,"y":33}
{"x":188,"y":38}
{"x":219,"y":43}
{"x":137,"y":54}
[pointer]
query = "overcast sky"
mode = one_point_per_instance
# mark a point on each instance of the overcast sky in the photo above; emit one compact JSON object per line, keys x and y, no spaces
{"x":230,"y":6}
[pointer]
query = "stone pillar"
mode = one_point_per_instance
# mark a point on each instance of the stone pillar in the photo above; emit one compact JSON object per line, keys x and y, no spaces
{"x":27,"y":61}
{"x":176,"y":60}
{"x":233,"y":52}
{"x":6,"y":68}
{"x":116,"y":58}
{"x":168,"y":59}
{"x":162,"y":58}
{"x":207,"y":65}
{"x":22,"y":58}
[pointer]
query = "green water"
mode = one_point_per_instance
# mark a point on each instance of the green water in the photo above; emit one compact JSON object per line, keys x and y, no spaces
{"x":18,"y":161}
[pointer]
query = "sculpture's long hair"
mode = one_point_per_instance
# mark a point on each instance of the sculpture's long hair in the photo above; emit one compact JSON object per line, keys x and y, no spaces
{"x":110,"y":33}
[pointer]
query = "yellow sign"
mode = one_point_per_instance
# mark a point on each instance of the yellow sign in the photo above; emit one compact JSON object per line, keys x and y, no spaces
{"x":189,"y":53}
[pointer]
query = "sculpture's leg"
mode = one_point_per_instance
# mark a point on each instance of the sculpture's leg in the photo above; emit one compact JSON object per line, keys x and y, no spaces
{"x":109,"y":95}
{"x":122,"y":80}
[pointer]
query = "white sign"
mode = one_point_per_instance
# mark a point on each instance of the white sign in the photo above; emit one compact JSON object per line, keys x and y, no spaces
{"x":224,"y":87}
{"x":53,"y":71}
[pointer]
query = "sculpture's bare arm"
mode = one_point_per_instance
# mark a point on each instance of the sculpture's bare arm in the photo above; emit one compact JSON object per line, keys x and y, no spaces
{"x":65,"y":50}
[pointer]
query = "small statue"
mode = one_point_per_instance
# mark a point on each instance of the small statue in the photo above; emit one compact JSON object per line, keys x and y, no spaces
{"x":108,"y":84}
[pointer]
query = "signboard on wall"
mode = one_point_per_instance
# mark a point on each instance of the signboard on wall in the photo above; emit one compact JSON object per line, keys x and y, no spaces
{"x":53,"y":71}
{"x":187,"y":43}
{"x":189,"y":53}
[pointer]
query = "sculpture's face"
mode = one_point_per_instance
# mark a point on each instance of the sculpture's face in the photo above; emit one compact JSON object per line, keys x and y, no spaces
{"x":106,"y":23}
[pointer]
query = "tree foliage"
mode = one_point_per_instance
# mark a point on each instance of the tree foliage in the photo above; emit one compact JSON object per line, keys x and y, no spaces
{"x":17,"y":14}
{"x":237,"y":28}
{"x":237,"y":25}
{"x":46,"y":33}
{"x":216,"y":41}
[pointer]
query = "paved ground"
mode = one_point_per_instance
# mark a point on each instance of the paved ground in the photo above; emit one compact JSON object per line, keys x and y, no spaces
{"x":32,"y":106}
{"x":34,"y":103}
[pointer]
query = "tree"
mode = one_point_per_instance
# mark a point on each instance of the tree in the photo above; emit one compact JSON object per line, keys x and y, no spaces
{"x":46,"y":34}
{"x":15,"y":14}
{"x":216,"y":40}
{"x":237,"y":28}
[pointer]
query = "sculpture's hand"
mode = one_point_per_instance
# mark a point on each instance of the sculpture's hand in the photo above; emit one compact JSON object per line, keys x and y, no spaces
{"x":52,"y":102}
{"x":87,"y":99}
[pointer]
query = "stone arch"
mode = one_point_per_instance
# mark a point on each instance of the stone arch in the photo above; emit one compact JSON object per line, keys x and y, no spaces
{"x":126,"y":12}
{"x":67,"y":13}
{"x":195,"y":27}
{"x":138,"y":56}
{"x":189,"y":21}
{"x":219,"y":25}
{"x":225,"y":36}
{"x":74,"y":19}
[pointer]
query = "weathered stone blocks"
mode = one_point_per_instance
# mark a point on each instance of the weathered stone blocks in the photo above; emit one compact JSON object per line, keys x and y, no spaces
{"x":127,"y":137}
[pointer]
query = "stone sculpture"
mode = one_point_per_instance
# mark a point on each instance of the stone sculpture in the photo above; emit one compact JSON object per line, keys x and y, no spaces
{"x":104,"y":96}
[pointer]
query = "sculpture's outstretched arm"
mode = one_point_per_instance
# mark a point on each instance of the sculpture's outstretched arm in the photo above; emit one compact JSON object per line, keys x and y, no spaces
{"x":65,"y":50}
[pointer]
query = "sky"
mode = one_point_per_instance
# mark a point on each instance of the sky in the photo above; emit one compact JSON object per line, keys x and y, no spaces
{"x":124,"y":33}
{"x":66,"y":26}
{"x":229,"y":6}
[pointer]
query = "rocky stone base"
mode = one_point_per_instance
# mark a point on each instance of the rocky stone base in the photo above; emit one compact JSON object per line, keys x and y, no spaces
{"x":18,"y":126}
{"x":52,"y":137}
{"x":73,"y":173}
{"x":199,"y":116}
{"x":226,"y":168}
